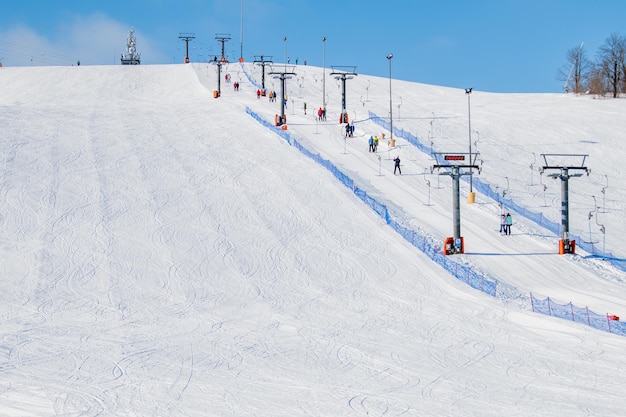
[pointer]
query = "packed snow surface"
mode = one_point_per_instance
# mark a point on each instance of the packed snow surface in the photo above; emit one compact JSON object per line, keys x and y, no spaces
{"x":165,"y":254}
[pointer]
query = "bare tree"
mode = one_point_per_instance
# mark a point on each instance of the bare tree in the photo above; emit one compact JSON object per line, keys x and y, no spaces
{"x":575,"y":70}
{"x":612,"y":60}
{"x":624,"y":78}
{"x":596,"y":81}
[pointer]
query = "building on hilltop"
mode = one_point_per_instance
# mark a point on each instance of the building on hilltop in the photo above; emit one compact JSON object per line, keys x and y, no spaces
{"x":131,"y":57}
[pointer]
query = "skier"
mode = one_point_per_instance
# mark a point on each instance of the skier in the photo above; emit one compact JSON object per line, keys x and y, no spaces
{"x":502,"y":224}
{"x":319,"y":114}
{"x":376,"y":143}
{"x":347,"y":130}
{"x":305,"y":108}
{"x":397,"y":165}
{"x":371,"y":143}
{"x":509,"y":222}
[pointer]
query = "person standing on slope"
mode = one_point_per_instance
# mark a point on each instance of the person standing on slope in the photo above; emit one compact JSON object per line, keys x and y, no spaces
{"x":509,"y":223}
{"x":397,"y":166}
{"x":502,"y":224}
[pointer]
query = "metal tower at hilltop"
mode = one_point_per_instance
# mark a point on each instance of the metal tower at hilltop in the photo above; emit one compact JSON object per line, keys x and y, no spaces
{"x":131,"y":57}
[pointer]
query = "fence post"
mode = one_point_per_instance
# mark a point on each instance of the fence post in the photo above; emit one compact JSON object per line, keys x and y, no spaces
{"x":549,"y":308}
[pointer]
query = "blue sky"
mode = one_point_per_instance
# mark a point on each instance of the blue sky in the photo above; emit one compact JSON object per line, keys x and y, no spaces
{"x":490,"y":45}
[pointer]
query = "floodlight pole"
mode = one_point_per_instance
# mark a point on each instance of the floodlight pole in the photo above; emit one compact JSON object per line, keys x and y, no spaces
{"x":389,"y":57}
{"x":324,"y":74}
{"x":241,"y":35}
{"x":285,"y":47}
{"x":468,"y":91}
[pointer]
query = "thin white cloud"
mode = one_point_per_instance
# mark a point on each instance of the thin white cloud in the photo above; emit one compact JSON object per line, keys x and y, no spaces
{"x":96,"y":39}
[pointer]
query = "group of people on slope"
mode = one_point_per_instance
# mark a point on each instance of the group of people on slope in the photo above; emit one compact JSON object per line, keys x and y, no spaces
{"x":321,"y":114}
{"x":506,"y":221}
{"x":349,"y":130}
{"x":373,"y":143}
{"x":373,"y":147}
{"x":271,"y":95}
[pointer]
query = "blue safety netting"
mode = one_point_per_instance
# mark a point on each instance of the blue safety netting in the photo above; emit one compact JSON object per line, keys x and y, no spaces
{"x":510,"y":204}
{"x":476,"y":280}
{"x":432,"y":249}
{"x":577,"y":314}
{"x":568,"y":312}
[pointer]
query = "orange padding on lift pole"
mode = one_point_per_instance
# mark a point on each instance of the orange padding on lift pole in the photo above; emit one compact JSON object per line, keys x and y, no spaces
{"x":572,"y":246}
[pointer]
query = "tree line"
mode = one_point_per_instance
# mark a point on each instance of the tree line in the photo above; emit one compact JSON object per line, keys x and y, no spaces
{"x":604,"y":75}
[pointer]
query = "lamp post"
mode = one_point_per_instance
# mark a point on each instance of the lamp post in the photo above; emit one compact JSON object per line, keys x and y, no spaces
{"x":468,"y":91}
{"x":241,"y":35}
{"x":324,"y":74}
{"x":390,"y":103}
{"x":285,"y":42}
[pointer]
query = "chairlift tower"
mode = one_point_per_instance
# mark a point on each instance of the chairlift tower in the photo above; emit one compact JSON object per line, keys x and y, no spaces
{"x":452,"y":162}
{"x":283,"y":76}
{"x":343,"y":76}
{"x":262,"y":61}
{"x":187,"y":37}
{"x":131,"y":57}
{"x":217,"y":93}
{"x":223,"y":38}
{"x":556,"y":162}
